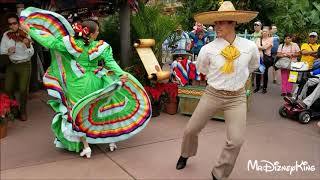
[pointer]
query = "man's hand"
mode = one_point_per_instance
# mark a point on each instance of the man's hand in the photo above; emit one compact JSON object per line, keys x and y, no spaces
{"x":124,"y":78}
{"x":11,"y":50}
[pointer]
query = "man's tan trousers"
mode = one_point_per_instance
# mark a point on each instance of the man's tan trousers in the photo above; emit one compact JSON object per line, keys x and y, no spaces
{"x":235,"y":115}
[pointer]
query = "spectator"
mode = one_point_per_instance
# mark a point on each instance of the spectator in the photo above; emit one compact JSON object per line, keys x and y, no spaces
{"x":257,"y":31}
{"x":211,"y":34}
{"x":274,"y":49}
{"x":264,"y":44}
{"x":290,"y":50}
{"x":198,"y":41}
{"x":309,"y":50}
{"x":178,"y":42}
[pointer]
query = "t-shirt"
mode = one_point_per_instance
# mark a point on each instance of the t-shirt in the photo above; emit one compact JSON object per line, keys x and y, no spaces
{"x":290,"y":49}
{"x":256,"y":35}
{"x":265,"y":42}
{"x":307,"y":58}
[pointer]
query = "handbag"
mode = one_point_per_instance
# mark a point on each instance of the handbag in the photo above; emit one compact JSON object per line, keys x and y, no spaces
{"x":283,"y":63}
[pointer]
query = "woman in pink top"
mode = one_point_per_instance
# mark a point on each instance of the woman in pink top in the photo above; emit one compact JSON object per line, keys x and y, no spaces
{"x":289,"y":50}
{"x":264,"y":44}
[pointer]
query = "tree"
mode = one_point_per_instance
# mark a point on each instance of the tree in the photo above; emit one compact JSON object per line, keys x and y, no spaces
{"x":297,"y":16}
{"x":190,"y":8}
{"x":148,"y":22}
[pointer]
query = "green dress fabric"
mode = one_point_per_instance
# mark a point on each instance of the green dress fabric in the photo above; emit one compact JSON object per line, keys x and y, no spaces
{"x":90,"y":101}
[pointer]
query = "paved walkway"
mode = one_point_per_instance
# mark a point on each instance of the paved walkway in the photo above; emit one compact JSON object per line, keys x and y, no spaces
{"x":28,"y":153}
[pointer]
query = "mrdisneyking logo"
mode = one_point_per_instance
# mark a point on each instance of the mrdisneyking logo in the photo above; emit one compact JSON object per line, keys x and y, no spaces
{"x":267,"y":166}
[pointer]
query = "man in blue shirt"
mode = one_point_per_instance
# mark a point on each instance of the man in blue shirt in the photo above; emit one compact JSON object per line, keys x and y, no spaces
{"x":274,"y":50}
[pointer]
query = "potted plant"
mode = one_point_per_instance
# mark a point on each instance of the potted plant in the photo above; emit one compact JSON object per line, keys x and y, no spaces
{"x":7,"y":109}
{"x":156,"y":95}
{"x":171,"y":102}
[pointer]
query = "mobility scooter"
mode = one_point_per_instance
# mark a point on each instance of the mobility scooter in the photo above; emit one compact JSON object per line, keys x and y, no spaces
{"x":291,"y":108}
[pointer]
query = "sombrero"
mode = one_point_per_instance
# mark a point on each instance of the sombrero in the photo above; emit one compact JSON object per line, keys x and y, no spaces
{"x":226,"y":12}
{"x":181,"y":54}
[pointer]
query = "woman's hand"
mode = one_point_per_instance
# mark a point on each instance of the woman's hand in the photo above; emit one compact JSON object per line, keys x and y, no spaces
{"x":124,"y":78}
{"x":25,"y":27}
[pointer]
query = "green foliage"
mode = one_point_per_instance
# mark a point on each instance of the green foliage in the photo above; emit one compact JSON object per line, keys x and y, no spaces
{"x":186,"y":13}
{"x":150,"y":23}
{"x":110,"y":32}
{"x":297,"y":16}
{"x":190,"y":8}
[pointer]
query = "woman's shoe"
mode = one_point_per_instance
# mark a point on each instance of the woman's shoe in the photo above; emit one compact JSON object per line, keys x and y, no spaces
{"x":112,"y":146}
{"x":86,"y":152}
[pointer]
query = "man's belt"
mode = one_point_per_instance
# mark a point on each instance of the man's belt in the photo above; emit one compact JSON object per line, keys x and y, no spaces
{"x":228,"y":93}
{"x":19,"y":61}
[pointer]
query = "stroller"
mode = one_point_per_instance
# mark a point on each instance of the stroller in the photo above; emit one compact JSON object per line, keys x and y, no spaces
{"x":290,"y":108}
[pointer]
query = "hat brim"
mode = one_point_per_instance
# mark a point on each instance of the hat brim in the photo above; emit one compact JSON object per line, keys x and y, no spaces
{"x":181,"y":54}
{"x":213,"y":16}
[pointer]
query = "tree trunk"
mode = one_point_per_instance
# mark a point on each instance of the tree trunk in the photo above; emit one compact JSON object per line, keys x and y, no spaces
{"x":125,"y":51}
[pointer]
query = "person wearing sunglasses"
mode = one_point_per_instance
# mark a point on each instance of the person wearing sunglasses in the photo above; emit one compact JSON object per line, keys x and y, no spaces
{"x":257,"y":31}
{"x":17,"y":45}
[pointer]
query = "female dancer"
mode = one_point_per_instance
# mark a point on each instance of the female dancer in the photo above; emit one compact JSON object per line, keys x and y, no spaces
{"x":95,"y":104}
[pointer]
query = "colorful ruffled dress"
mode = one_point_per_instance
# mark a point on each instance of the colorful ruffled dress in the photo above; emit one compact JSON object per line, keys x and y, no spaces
{"x":90,"y":101}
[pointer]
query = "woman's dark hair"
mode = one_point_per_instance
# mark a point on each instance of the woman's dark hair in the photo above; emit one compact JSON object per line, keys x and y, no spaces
{"x":287,"y":35}
{"x":92,"y":26}
{"x":13,"y":15}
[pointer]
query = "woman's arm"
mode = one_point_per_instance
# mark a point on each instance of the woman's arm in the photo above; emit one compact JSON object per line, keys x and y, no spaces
{"x":46,"y":40}
{"x":111,"y":63}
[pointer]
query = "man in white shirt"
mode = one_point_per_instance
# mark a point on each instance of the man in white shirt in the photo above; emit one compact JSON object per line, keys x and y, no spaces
{"x":227,"y":61}
{"x":17,"y":45}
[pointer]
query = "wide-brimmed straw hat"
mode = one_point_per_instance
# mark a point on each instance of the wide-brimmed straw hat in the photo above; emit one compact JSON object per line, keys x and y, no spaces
{"x":226,"y":12}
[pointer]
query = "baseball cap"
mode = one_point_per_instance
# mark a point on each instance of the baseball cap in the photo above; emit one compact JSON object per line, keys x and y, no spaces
{"x":258,"y":23}
{"x":313,"y":34}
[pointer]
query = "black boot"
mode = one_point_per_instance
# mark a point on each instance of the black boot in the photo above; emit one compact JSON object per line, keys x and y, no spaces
{"x":256,"y":90}
{"x":264,"y":90}
{"x":182,"y":162}
{"x":213,"y":177}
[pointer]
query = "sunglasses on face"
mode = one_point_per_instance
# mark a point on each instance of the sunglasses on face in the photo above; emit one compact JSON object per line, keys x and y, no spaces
{"x":13,"y":23}
{"x":256,"y":25}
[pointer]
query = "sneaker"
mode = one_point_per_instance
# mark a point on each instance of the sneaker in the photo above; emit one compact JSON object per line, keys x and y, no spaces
{"x":302,"y":105}
{"x":289,"y":99}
